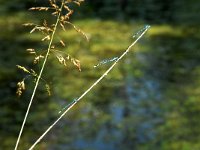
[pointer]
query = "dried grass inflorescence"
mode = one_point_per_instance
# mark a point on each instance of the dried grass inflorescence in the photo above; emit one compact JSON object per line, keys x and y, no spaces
{"x":63,"y":12}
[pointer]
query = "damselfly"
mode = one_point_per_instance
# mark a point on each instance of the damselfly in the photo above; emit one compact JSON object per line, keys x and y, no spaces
{"x":105,"y":61}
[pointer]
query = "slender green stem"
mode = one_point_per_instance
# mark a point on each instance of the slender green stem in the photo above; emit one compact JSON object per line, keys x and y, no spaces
{"x":89,"y":89}
{"x":39,"y":77}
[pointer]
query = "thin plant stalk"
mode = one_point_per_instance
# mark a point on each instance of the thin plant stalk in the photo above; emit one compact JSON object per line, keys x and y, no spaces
{"x":39,"y":77}
{"x":90,"y":88}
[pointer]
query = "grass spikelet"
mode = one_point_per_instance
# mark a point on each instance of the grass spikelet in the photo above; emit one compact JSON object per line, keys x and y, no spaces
{"x":62,"y":26}
{"x":20,"y":88}
{"x":46,"y":38}
{"x":37,"y":59}
{"x":40,"y":8}
{"x":78,"y":30}
{"x":23,"y":69}
{"x":76,"y":63}
{"x":77,"y":3}
{"x":33,"y":73}
{"x":28,"y":24}
{"x":62,"y":43}
{"x":61,"y":60}
{"x":31,"y":51}
{"x":48,"y":89}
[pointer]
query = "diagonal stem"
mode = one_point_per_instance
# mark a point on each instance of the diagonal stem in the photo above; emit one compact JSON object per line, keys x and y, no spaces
{"x":90,"y":88}
{"x":39,"y":77}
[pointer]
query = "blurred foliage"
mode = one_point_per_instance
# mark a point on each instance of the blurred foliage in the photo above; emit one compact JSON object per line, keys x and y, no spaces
{"x":149,"y":101}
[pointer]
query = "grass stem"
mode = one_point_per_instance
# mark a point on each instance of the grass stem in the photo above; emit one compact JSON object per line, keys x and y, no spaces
{"x":91,"y":87}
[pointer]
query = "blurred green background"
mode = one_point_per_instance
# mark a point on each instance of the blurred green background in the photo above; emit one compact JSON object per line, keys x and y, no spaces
{"x":150,"y":100}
